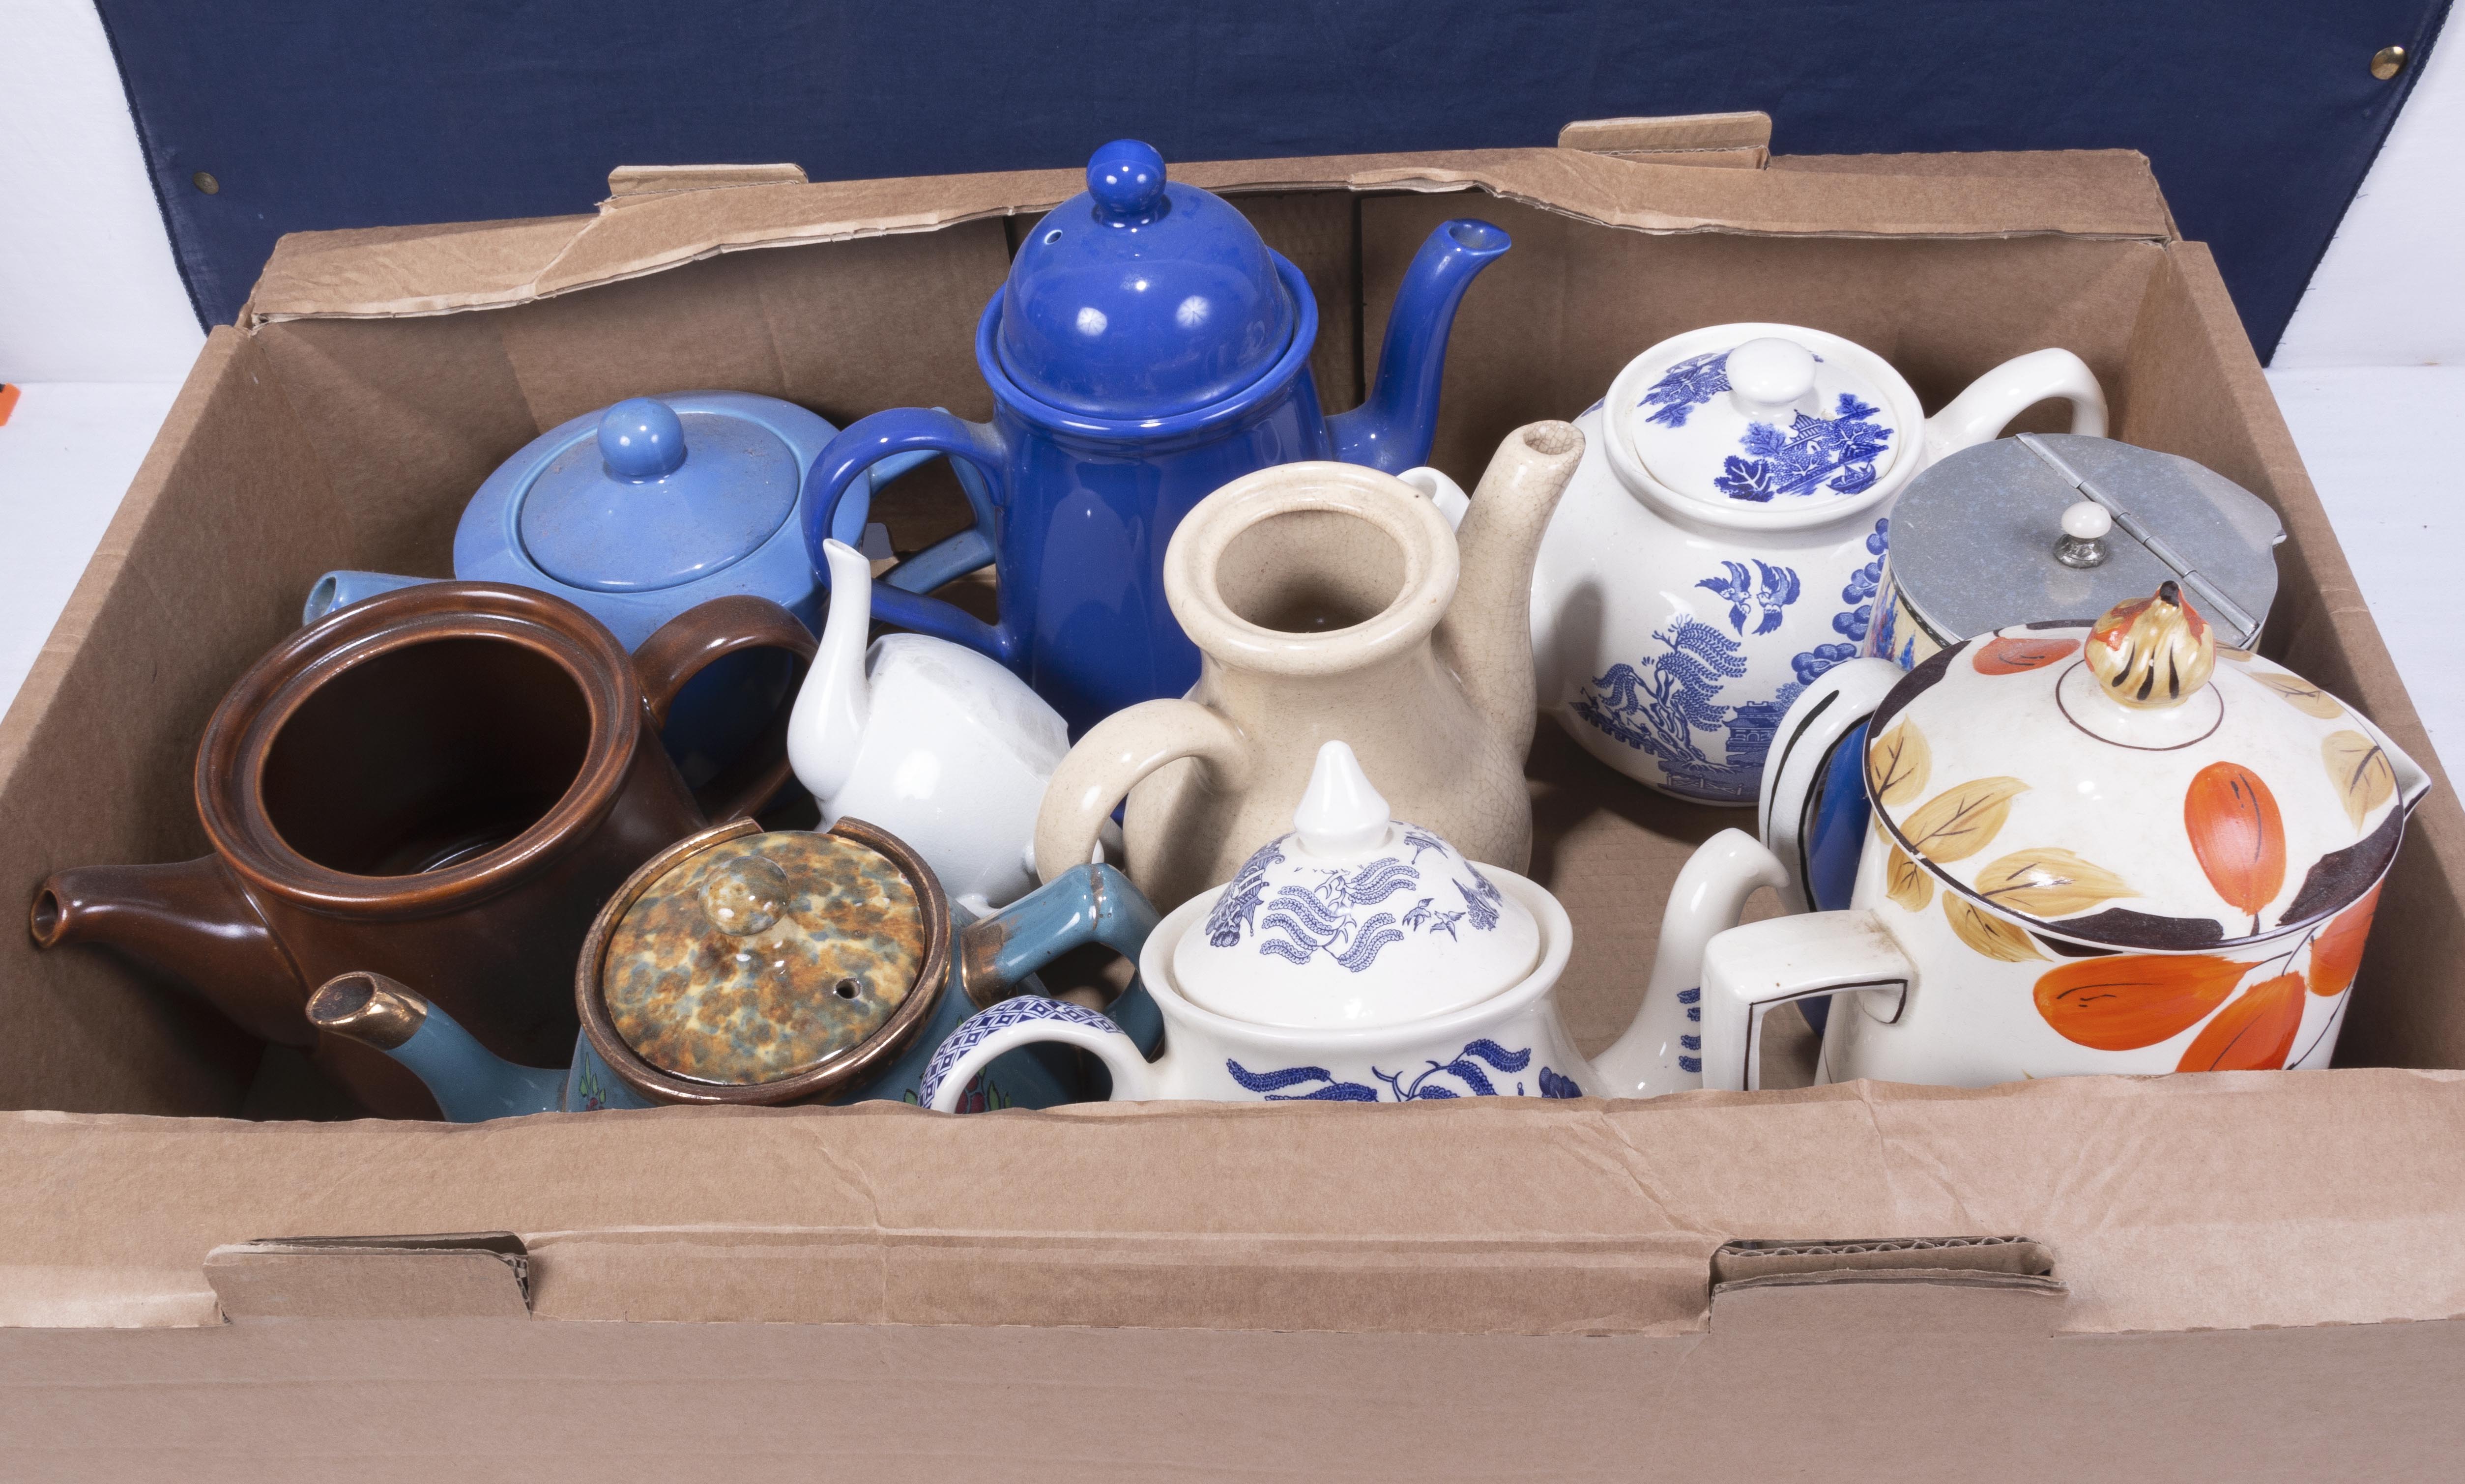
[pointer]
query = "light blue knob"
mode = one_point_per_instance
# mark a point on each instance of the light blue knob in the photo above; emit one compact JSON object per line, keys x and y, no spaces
{"x":1127,"y":179}
{"x":641,"y":438}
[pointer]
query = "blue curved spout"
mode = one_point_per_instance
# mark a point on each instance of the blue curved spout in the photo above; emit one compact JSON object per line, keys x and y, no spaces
{"x":470,"y":1082}
{"x":1393,"y":429}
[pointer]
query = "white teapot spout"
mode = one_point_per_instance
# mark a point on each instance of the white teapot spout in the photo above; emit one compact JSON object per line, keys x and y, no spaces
{"x":1663,"y":1051}
{"x":827,"y":728}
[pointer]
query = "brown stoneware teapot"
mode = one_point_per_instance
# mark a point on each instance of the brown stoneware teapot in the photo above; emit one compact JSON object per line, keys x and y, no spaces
{"x":441,"y":784}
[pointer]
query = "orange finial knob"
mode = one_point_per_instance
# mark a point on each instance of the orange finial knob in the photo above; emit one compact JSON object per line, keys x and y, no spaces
{"x":2154,"y":651}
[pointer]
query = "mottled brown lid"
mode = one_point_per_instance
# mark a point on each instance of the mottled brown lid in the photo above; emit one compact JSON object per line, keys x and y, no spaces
{"x":754,"y":960}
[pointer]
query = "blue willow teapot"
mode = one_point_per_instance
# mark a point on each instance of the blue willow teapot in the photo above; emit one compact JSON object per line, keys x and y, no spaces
{"x":1147,"y":349}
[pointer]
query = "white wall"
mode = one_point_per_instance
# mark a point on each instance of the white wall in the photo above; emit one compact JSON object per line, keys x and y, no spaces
{"x":88,"y":292}
{"x":2391,"y":290}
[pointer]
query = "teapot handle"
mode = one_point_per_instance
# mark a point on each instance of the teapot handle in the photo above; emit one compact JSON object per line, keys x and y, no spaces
{"x":684,"y":645}
{"x":842,"y":499}
{"x":1111,"y":760}
{"x":1812,"y":812}
{"x":1747,"y":970}
{"x":1093,"y":904}
{"x":1024,"y":1021}
{"x":1981,"y":414}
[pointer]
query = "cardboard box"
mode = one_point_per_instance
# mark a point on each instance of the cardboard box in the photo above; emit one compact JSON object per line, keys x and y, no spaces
{"x":2241,"y":1275}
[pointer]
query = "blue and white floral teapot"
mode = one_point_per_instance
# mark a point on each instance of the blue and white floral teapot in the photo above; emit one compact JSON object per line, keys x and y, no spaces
{"x":1361,"y":958}
{"x":1720,"y":545}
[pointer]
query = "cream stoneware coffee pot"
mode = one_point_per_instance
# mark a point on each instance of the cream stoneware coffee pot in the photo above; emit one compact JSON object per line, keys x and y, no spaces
{"x":1362,"y":959}
{"x":1329,"y":601}
{"x":1720,"y":545}
{"x":929,"y":740}
{"x":2107,"y":848}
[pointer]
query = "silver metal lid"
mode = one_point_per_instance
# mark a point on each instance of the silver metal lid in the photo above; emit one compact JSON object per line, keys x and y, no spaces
{"x":1979,"y":541}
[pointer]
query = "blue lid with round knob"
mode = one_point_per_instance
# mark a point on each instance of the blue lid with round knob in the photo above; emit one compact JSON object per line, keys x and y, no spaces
{"x":656,"y":498}
{"x":1143,"y":296}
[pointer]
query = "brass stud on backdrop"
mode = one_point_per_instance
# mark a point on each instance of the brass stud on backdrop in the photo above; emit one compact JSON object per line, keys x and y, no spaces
{"x":2387,"y":61}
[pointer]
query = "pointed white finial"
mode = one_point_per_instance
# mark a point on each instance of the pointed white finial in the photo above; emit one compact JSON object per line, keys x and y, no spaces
{"x":1340,"y":814}
{"x":828,"y":723}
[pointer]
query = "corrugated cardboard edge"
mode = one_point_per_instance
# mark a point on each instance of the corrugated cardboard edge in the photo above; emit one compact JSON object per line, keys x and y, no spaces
{"x":396,"y":271}
{"x":458,"y":1275}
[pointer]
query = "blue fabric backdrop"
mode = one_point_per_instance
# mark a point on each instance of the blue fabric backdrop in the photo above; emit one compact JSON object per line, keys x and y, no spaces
{"x":2261,"y":116}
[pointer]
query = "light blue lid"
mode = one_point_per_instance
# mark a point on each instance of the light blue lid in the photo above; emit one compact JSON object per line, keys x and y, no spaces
{"x":652,"y":499}
{"x":1142,"y":297}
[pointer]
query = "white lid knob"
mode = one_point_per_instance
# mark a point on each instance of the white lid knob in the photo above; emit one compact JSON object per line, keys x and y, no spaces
{"x":2087,"y":520}
{"x":1340,"y":814}
{"x":1771,"y":373}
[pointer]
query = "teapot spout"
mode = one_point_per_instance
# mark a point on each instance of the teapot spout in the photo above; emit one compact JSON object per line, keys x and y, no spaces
{"x":1391,"y":430}
{"x":827,"y":728}
{"x":1663,"y":1051}
{"x":470,"y":1082}
{"x":1486,"y":635}
{"x":192,"y":923}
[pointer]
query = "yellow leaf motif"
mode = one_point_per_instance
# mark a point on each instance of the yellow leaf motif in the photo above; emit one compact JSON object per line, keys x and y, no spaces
{"x":2364,"y":777}
{"x":1987,"y":933}
{"x":2048,"y":883}
{"x":1961,"y":821}
{"x":1906,"y":883}
{"x":1898,"y":763}
{"x":2301,"y":694}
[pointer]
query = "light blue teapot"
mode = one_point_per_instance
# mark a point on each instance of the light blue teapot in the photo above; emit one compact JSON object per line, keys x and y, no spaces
{"x":641,"y":511}
{"x":745,"y":968}
{"x":1147,"y":349}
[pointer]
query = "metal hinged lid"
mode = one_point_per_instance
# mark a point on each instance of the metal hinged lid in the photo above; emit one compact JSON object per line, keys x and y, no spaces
{"x":1978,"y":542}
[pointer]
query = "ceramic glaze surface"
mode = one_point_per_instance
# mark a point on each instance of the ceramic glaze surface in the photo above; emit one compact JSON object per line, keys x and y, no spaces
{"x":2088,"y":853}
{"x":1332,"y":603}
{"x":654,"y":498}
{"x":1354,"y":919}
{"x":763,"y":955}
{"x":1122,"y":418}
{"x":1722,"y":543}
{"x":1142,"y":292}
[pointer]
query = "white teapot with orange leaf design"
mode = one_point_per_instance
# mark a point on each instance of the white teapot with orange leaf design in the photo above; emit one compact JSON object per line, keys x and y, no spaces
{"x":2093,"y":848}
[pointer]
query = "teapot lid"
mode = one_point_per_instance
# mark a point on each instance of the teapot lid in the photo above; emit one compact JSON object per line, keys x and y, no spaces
{"x":1354,"y":919}
{"x":1750,"y":414}
{"x":755,"y":957}
{"x":2017,"y":528}
{"x":651,"y":495}
{"x":2127,"y":784}
{"x":1142,"y":297}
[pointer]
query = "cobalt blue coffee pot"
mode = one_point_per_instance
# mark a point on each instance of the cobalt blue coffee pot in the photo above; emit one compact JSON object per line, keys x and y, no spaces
{"x":1147,"y":349}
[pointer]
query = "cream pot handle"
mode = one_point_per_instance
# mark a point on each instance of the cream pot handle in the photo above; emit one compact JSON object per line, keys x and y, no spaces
{"x":1023,"y":1021}
{"x":1988,"y":407}
{"x":1110,"y":761}
{"x":1747,"y":970}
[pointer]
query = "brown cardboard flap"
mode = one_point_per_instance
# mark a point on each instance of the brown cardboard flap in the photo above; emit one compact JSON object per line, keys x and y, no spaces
{"x":1739,"y":1262}
{"x":387,"y":271}
{"x":1734,"y":139}
{"x":463,"y":1275}
{"x":1913,"y":1301}
{"x":651,"y":180}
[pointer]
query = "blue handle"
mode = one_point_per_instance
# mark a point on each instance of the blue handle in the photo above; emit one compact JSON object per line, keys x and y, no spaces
{"x":845,"y":500}
{"x":1093,"y":904}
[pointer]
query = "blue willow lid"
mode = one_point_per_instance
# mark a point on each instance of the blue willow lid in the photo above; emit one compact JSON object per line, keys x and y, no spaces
{"x":654,"y":498}
{"x":756,"y":958}
{"x":1739,"y":420}
{"x":1142,"y":297}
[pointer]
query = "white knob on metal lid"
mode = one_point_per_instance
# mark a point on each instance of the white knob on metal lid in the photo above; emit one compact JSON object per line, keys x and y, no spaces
{"x":2087,"y":520}
{"x":1771,"y":373}
{"x":1340,"y":814}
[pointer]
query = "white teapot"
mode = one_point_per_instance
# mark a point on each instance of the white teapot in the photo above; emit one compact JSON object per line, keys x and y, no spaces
{"x":928,"y":739}
{"x":1361,"y":958}
{"x":2107,"y":848}
{"x":1720,"y":544}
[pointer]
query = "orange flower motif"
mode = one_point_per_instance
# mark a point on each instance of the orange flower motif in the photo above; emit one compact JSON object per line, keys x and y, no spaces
{"x":2131,"y":1000}
{"x":2001,"y":655}
{"x":2255,"y":1033}
{"x":2338,"y":951}
{"x":2237,"y":835}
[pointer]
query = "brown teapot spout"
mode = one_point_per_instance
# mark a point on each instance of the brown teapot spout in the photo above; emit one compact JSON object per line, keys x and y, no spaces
{"x":190,"y":922}
{"x":1486,"y":637}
